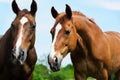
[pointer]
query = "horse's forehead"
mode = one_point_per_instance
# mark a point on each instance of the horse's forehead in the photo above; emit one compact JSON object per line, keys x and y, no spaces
{"x":58,"y":27}
{"x":23,"y":20}
{"x":25,"y":13}
{"x":60,"y":23}
{"x":30,"y":18}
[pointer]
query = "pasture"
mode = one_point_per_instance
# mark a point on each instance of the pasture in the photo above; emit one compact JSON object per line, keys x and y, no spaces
{"x":42,"y":72}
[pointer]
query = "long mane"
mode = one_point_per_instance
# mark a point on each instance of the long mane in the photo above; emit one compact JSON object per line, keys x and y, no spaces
{"x":81,"y":14}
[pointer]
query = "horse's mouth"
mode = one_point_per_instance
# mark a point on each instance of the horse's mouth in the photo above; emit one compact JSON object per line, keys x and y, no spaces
{"x":55,"y":63}
{"x":55,"y":68}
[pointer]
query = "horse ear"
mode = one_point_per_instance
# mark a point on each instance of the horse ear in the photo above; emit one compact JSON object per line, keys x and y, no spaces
{"x":33,"y":7}
{"x":68,"y":11}
{"x":15,"y":7}
{"x":54,"y":12}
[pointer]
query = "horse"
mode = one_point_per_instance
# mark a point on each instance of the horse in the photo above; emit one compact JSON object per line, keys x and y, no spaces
{"x":93,"y":52}
{"x":0,"y":36}
{"x":17,"y":52}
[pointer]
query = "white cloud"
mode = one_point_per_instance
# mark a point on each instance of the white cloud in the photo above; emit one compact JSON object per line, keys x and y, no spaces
{"x":111,"y":5}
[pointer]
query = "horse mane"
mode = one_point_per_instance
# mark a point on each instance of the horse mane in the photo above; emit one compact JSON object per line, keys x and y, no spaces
{"x":24,"y":11}
{"x":5,"y":36}
{"x":81,"y":14}
{"x":78,"y":13}
{"x":4,"y":39}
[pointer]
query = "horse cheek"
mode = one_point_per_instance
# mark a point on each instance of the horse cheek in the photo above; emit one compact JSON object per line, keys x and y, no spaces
{"x":72,"y":44}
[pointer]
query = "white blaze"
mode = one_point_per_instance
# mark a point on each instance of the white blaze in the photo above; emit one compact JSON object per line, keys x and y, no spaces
{"x":23,"y":20}
{"x":52,"y":53}
{"x":19,"y":41}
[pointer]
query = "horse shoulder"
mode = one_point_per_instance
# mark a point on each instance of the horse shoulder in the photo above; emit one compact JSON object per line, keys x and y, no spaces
{"x":114,"y":44}
{"x":101,"y":50}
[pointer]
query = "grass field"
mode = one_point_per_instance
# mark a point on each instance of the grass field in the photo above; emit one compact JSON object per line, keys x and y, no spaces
{"x":42,"y":72}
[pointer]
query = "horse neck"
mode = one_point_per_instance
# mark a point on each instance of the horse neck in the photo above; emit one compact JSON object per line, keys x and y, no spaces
{"x":6,"y":42}
{"x":86,"y":28}
{"x":88,"y":32}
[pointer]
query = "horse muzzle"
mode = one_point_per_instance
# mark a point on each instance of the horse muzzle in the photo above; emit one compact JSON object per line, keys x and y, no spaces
{"x":18,"y":58}
{"x":54,"y":63}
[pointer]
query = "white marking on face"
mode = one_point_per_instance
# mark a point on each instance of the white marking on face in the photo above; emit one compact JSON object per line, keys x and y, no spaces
{"x":52,"y":53}
{"x":23,"y":20}
{"x":19,"y":40}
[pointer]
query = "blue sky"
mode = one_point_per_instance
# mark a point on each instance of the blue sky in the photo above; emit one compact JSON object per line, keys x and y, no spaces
{"x":106,"y":14}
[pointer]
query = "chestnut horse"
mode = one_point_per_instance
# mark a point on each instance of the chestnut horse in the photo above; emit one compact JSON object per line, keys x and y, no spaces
{"x":17,"y":52}
{"x":93,"y":52}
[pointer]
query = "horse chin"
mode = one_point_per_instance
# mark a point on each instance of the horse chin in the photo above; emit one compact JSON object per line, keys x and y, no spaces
{"x":55,"y":62}
{"x":55,"y":68}
{"x":17,"y":62}
{"x":21,"y":62}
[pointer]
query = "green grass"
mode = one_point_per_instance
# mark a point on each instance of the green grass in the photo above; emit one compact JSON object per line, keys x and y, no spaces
{"x":41,"y":72}
{"x":90,"y":78}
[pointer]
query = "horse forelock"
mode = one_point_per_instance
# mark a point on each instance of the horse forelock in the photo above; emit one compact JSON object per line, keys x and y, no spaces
{"x":23,"y":12}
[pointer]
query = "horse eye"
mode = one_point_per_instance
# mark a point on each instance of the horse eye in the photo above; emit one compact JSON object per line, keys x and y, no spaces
{"x":34,"y":26}
{"x":67,"y":32}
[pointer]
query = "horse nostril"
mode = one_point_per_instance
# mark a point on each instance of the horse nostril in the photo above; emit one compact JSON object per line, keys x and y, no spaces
{"x":34,"y":26}
{"x":22,"y":53}
{"x":56,"y":60}
{"x":21,"y":56}
{"x":13,"y":53}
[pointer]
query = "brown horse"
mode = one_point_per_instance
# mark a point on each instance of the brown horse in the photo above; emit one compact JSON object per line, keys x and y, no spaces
{"x":93,"y":52}
{"x":17,"y":52}
{"x":0,"y":37}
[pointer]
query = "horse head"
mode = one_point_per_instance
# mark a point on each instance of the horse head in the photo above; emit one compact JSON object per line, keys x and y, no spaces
{"x":64,"y":37}
{"x":23,"y":32}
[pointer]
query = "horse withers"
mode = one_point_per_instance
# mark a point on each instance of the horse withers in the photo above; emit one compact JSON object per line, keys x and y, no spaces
{"x":93,"y":52}
{"x":17,"y":52}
